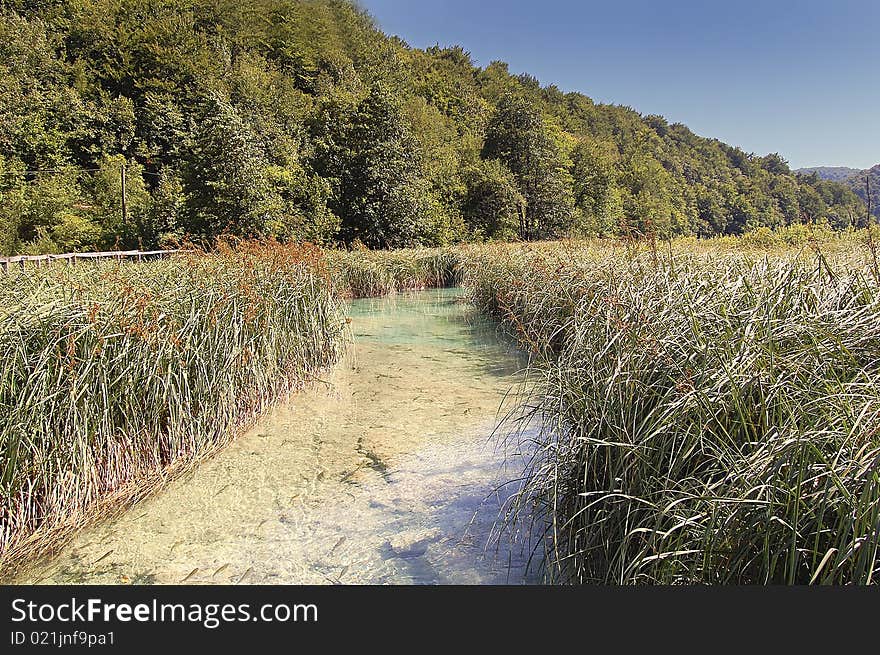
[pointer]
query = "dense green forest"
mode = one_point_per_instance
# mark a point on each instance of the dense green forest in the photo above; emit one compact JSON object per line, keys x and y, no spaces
{"x":302,"y":120}
{"x":859,"y":181}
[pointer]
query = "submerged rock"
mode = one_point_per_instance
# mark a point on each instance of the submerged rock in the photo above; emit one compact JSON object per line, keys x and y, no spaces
{"x":413,"y":543}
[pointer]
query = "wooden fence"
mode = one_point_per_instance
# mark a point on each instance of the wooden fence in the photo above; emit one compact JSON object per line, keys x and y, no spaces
{"x":72,"y":258}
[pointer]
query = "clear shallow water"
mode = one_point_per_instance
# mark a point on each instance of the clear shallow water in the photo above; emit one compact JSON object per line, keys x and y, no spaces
{"x":385,"y":472}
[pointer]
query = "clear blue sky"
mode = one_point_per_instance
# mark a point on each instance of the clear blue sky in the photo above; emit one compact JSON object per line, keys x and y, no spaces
{"x":801,"y":78}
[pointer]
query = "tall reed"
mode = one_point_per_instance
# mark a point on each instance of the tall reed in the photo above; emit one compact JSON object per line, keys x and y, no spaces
{"x":364,"y":273}
{"x":709,"y":418}
{"x":113,"y":376}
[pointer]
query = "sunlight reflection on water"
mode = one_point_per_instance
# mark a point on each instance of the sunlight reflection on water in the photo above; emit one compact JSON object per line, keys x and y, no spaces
{"x":384,"y":473}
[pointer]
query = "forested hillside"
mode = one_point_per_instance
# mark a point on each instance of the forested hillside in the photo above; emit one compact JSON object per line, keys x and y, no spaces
{"x":833,"y":173}
{"x":302,"y":120}
{"x":861,"y":182}
{"x":858,"y":183}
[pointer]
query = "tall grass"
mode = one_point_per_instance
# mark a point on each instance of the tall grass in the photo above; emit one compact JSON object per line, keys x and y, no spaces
{"x":114,"y":376}
{"x":710,"y":410}
{"x":710,"y":418}
{"x":364,"y":273}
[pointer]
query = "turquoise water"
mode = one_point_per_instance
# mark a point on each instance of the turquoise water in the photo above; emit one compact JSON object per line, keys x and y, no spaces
{"x":385,"y":471}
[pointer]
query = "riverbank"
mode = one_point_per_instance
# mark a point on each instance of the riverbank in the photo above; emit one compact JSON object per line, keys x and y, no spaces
{"x":711,"y":414}
{"x":383,"y":472}
{"x":119,"y":377}
{"x":116,"y":378}
{"x":710,"y":408}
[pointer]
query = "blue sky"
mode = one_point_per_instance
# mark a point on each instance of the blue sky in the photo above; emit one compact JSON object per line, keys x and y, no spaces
{"x":801,"y":78}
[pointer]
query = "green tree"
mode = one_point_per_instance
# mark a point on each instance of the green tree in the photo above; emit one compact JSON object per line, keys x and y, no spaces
{"x":367,"y":152}
{"x":300,"y":212}
{"x":300,"y":119}
{"x":812,"y":207}
{"x":164,"y":226}
{"x":596,"y":192}
{"x":648,"y":198}
{"x":493,"y":206}
{"x":518,"y":137}
{"x":225,"y":177}
{"x":52,"y":215}
{"x":105,"y":204}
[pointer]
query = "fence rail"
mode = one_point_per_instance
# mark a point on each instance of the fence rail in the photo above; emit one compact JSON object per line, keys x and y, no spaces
{"x":72,"y":257}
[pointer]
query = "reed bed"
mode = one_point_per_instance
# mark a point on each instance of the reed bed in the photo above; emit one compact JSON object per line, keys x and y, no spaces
{"x":115,"y":376}
{"x":710,"y":411}
{"x":365,"y":274}
{"x":709,"y":416}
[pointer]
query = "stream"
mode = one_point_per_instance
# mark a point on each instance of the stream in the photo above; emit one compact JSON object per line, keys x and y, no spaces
{"x":384,"y":472}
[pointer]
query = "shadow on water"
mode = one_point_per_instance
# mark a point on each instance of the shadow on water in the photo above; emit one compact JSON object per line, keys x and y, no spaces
{"x":385,"y":473}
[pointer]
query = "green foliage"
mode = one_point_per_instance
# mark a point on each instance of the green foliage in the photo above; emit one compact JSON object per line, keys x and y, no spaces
{"x":106,"y":192}
{"x":494,"y":205}
{"x":596,"y":191}
{"x":225,"y":177}
{"x":865,"y":181}
{"x":368,"y":153}
{"x":518,"y":137}
{"x":299,"y":119}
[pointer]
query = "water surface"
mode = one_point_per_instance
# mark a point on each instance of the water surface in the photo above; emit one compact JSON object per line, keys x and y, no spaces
{"x":383,"y":472}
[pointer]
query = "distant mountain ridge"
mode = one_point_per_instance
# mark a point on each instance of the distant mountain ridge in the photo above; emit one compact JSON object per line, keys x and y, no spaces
{"x":833,"y":173}
{"x":853,"y":178}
